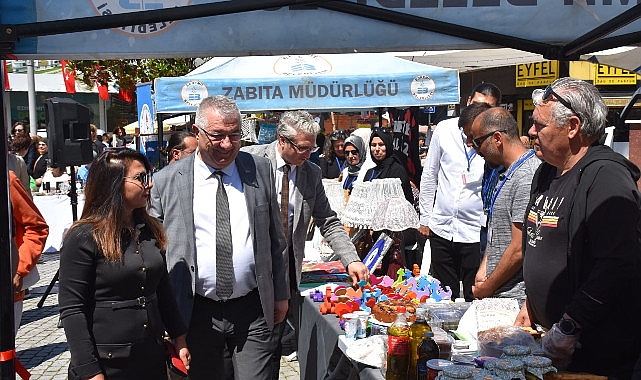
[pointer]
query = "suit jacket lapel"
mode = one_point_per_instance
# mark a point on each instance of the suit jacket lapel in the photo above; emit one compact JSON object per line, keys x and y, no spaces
{"x":301,"y":183}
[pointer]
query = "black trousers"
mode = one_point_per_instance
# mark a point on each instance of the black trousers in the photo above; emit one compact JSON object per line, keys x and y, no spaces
{"x":453,"y":262}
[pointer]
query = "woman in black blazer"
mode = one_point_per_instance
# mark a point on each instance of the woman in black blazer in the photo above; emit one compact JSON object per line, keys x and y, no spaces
{"x":115,"y":297}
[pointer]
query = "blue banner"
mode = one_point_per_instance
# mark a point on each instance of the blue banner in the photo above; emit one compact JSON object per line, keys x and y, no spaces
{"x":312,"y":82}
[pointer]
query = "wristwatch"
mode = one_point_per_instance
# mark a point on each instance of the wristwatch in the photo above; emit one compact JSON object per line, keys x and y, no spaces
{"x":568,"y":326}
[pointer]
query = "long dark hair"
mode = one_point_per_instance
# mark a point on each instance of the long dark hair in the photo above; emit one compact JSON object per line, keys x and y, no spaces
{"x":104,"y":203}
{"x":328,"y":149}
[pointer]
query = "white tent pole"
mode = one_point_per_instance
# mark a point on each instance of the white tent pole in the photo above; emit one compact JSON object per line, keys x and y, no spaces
{"x":102,"y":112}
{"x":31,"y":80}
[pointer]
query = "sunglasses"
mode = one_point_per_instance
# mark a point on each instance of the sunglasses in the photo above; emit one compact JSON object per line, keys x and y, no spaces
{"x":338,"y":134}
{"x":549,"y":92}
{"x":18,"y":130}
{"x":218,"y":137}
{"x":479,"y":140}
{"x":311,"y":149}
{"x":143,"y":177}
{"x":350,"y":152}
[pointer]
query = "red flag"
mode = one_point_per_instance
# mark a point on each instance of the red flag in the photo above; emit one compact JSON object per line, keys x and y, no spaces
{"x":6,"y":76}
{"x":69,"y":76}
{"x":103,"y":91}
{"x":125,"y":95}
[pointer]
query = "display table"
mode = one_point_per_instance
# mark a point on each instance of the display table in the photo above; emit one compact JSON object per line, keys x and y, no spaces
{"x":319,"y":355}
{"x":56,"y":209}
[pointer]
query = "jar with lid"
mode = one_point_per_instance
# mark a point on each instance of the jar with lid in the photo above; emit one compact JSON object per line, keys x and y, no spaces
{"x":537,"y":366}
{"x":456,"y":372}
{"x":508,"y":369}
{"x":517,"y":352}
{"x":435,"y":366}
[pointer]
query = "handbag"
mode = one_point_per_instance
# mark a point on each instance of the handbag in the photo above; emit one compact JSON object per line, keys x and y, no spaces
{"x":31,"y":278}
{"x":176,"y":367}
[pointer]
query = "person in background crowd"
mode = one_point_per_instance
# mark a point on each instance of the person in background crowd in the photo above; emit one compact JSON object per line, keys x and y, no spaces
{"x":96,"y":146}
{"x":106,"y":139}
{"x":388,"y":165}
{"x":119,"y":139}
{"x":40,"y":166}
{"x":302,"y":197}
{"x":422,"y":149}
{"x":232,"y":311}
{"x":29,"y":157}
{"x":181,"y":144}
{"x":116,"y":299}
{"x":494,"y":136}
{"x":581,"y":246}
{"x":315,"y":156}
{"x":22,"y":145}
{"x":525,"y":140}
{"x":332,"y":162}
{"x":353,"y":147}
{"x":450,"y":200}
{"x":29,"y":231}
{"x":16,"y":164}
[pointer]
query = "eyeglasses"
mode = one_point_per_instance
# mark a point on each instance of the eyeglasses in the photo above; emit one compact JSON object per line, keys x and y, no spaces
{"x":218,"y":137}
{"x":311,"y":149}
{"x":479,"y":140}
{"x":350,"y":152}
{"x":338,"y":135}
{"x":18,"y":130}
{"x":548,"y":92}
{"x":143,"y":177}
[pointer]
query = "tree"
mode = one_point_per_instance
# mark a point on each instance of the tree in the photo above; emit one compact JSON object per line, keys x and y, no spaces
{"x":127,"y":72}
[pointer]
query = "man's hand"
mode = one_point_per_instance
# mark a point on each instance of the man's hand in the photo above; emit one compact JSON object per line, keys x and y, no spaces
{"x":424,"y":230}
{"x":481,"y":290}
{"x":181,"y":346}
{"x":559,"y":347}
{"x":280,"y":311}
{"x":17,"y":283}
{"x":358,"y":271}
{"x":523,"y":318}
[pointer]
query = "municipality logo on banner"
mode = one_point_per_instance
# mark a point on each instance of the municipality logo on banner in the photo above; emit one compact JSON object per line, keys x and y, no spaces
{"x":108,"y":7}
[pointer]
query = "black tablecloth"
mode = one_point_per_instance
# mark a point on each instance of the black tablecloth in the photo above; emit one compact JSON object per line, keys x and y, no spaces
{"x":319,"y":356}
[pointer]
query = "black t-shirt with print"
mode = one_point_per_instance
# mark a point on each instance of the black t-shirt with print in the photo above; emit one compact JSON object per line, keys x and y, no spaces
{"x":545,"y":261}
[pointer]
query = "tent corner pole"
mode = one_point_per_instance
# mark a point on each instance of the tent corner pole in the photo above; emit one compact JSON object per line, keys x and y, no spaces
{"x":160,"y":119}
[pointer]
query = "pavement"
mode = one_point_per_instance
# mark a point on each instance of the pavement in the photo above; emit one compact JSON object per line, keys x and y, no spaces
{"x":42,"y":347}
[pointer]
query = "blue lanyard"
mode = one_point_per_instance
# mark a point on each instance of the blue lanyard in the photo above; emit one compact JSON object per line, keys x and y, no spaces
{"x":512,"y":169}
{"x":349,"y":181}
{"x":468,"y":156}
{"x":489,"y":184}
{"x":338,"y":163}
{"x":374,"y":174}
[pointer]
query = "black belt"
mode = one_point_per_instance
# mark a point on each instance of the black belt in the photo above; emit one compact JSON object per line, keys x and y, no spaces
{"x":230,"y":300}
{"x":140,"y":302}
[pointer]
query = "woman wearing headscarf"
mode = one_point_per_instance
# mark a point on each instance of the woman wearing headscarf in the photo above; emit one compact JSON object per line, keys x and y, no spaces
{"x":354,"y":149}
{"x":388,"y":165}
{"x":333,"y":160}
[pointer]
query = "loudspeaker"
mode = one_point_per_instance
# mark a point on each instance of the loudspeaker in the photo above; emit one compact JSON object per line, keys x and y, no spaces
{"x":68,"y":132}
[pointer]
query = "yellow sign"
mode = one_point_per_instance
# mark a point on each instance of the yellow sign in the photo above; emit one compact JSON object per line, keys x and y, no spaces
{"x":613,"y":76}
{"x":537,"y":73}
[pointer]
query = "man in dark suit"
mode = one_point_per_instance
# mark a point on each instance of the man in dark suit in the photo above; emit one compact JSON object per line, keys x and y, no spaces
{"x":296,"y":140}
{"x":237,"y":325}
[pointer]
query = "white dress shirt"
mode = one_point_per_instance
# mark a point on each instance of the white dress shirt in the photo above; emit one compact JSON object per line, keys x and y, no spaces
{"x":450,"y":196}
{"x":280,"y":163}
{"x":205,"y":188}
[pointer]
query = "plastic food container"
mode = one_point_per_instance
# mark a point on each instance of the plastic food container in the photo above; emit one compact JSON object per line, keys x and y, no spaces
{"x":435,"y":366}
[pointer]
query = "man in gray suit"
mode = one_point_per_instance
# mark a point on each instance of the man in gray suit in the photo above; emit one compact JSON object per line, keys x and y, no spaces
{"x":296,"y":138}
{"x":235,"y":329}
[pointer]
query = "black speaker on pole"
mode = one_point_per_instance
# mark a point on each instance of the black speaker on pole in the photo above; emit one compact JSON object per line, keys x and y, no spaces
{"x":68,"y":132}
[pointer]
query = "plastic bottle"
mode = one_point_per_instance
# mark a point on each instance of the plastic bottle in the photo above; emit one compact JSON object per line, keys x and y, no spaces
{"x":427,"y":350}
{"x":398,"y":341}
{"x":417,"y":334}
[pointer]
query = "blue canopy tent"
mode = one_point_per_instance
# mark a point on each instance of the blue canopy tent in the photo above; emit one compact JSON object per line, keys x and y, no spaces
{"x":311,"y":82}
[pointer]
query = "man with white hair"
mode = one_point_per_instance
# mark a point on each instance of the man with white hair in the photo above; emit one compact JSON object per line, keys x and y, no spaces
{"x":581,"y":246}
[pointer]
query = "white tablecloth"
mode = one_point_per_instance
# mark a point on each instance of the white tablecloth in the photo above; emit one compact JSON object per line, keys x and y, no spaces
{"x":56,"y":209}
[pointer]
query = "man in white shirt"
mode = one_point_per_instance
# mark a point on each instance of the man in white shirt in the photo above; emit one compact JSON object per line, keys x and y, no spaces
{"x":450,"y":200}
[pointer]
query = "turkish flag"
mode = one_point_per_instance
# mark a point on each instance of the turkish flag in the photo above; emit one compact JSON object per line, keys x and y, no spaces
{"x":125,"y":95}
{"x":69,"y":76}
{"x":6,"y":76}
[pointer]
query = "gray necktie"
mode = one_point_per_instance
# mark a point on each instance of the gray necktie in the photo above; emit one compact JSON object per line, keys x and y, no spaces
{"x":224,"y":262}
